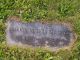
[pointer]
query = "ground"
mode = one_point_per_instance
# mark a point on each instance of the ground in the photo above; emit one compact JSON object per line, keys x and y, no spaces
{"x":40,"y":10}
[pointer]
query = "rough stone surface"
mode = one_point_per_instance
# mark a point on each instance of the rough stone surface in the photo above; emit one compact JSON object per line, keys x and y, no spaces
{"x":38,"y":34}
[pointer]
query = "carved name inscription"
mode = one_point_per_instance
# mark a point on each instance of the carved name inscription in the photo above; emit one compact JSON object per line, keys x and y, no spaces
{"x":38,"y":34}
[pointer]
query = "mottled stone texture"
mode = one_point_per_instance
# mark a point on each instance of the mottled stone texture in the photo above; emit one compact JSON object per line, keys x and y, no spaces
{"x":38,"y":34}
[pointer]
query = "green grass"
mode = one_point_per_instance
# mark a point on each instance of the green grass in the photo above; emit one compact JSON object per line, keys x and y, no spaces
{"x":33,"y":10}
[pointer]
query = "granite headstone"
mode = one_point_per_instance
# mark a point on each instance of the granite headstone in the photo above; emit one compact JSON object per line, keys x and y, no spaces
{"x":37,"y":34}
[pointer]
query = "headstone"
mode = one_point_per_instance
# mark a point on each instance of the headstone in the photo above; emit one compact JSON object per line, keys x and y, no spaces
{"x":37,"y":34}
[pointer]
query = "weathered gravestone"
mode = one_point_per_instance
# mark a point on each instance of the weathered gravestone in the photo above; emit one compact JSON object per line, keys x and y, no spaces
{"x":38,"y":34}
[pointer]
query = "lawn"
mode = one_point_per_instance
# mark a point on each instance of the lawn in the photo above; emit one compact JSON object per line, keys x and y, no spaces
{"x":40,"y":10}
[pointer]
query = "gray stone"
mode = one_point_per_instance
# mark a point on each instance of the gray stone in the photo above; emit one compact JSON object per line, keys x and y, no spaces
{"x":38,"y":34}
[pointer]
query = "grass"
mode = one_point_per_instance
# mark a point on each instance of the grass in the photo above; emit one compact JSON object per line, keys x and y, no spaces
{"x":33,"y":10}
